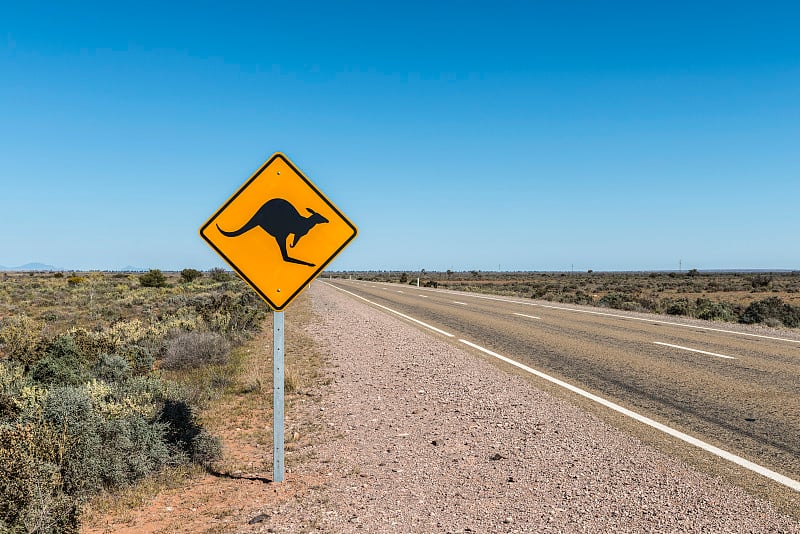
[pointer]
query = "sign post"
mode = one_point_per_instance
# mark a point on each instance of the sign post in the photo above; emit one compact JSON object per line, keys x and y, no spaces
{"x":277,"y":397}
{"x":278,"y":232}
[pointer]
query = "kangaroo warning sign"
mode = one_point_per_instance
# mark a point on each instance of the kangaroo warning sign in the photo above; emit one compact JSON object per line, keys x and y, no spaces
{"x":278,"y":231}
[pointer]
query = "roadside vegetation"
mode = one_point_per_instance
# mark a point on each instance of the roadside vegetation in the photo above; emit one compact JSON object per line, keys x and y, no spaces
{"x":772,"y":299}
{"x":102,"y":377}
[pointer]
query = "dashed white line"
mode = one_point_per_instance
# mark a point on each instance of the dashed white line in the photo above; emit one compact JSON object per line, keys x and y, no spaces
{"x":528,"y":316}
{"x":738,"y":460}
{"x":645,"y":319}
{"x":694,"y":350}
{"x":462,"y":303}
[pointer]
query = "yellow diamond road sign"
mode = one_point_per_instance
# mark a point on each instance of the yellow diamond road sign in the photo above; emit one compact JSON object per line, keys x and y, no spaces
{"x":278,"y":231}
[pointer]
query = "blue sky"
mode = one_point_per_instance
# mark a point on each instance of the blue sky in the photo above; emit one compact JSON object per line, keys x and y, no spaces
{"x":455,"y":135}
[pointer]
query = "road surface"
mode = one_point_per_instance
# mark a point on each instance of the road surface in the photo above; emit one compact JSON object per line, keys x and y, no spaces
{"x":734,"y":390}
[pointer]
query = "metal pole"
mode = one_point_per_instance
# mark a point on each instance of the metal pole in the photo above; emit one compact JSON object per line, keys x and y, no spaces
{"x":277,"y":397}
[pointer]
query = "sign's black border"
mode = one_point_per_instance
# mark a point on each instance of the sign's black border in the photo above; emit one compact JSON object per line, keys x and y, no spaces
{"x":239,"y":191}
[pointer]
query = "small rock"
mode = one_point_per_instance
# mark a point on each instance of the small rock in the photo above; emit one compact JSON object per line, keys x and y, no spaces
{"x":435,"y":442}
{"x":496,"y":456}
{"x":508,"y":520}
{"x":258,"y":519}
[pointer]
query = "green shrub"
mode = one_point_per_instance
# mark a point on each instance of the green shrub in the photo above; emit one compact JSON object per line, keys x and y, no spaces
{"x":63,"y":363}
{"x":713,"y":311}
{"x":112,"y":368}
{"x":760,"y":281}
{"x":218,"y":274}
{"x":70,"y":408}
{"x":132,"y":448}
{"x":619,"y":301}
{"x":153,"y":278}
{"x":140,"y":359}
{"x":189,"y":275}
{"x":191,"y":350}
{"x":206,"y":448}
{"x":91,"y":345}
{"x":774,"y":310}
{"x":679,"y":306}
{"x":31,"y":484}
{"x":19,"y":336}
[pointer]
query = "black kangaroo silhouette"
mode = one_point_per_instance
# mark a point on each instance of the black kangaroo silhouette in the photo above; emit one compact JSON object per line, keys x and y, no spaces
{"x":279,"y":218}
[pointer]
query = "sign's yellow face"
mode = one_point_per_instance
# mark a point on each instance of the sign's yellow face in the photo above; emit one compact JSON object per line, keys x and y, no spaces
{"x":278,"y":231}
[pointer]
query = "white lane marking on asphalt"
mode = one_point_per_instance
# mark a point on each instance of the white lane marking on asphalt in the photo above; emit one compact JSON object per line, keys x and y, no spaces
{"x":645,"y":319}
{"x":694,"y":350}
{"x":738,"y":460}
{"x":528,"y":316}
{"x":423,"y":296}
{"x":404,"y":316}
{"x":399,"y":291}
{"x":462,"y":303}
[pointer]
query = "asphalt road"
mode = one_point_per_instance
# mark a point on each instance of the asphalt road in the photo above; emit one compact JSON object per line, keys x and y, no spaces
{"x":737,"y":392}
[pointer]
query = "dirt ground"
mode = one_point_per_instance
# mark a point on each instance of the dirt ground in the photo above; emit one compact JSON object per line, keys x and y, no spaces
{"x":241,"y":483}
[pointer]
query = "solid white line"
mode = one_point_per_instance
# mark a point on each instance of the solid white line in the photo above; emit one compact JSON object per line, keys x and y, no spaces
{"x":404,"y":316}
{"x":645,"y":319}
{"x":738,"y":460}
{"x":528,"y":316}
{"x":462,"y":303}
{"x":694,"y":350}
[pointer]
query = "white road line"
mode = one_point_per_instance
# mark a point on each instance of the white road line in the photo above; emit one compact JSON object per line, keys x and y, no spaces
{"x":528,"y":316}
{"x":645,"y":319}
{"x":399,"y":291}
{"x":738,"y":460}
{"x":694,"y":350}
{"x":423,"y":296}
{"x":404,"y":316}
{"x":462,"y":303}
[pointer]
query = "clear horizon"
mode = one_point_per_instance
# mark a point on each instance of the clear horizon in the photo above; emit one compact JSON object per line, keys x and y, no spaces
{"x":513,"y":136}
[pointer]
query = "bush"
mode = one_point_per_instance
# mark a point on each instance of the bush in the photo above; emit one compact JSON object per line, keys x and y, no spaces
{"x":679,"y":306}
{"x":189,"y":275}
{"x":619,"y":301}
{"x":153,"y":278}
{"x":206,"y":449}
{"x":714,"y":311}
{"x":772,"y":309}
{"x":73,"y":280}
{"x":218,"y":274}
{"x":132,"y":448}
{"x":31,"y":484}
{"x":63,"y":362}
{"x":112,"y":368}
{"x":70,"y":409}
{"x":139,"y":358}
{"x":760,"y":281}
{"x":191,"y":350}
{"x":19,"y":336}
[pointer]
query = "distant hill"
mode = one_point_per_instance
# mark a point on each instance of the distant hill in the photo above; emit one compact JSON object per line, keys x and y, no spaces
{"x":32,"y":267}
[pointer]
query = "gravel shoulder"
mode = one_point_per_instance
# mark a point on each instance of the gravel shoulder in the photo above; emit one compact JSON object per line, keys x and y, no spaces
{"x":418,"y":435}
